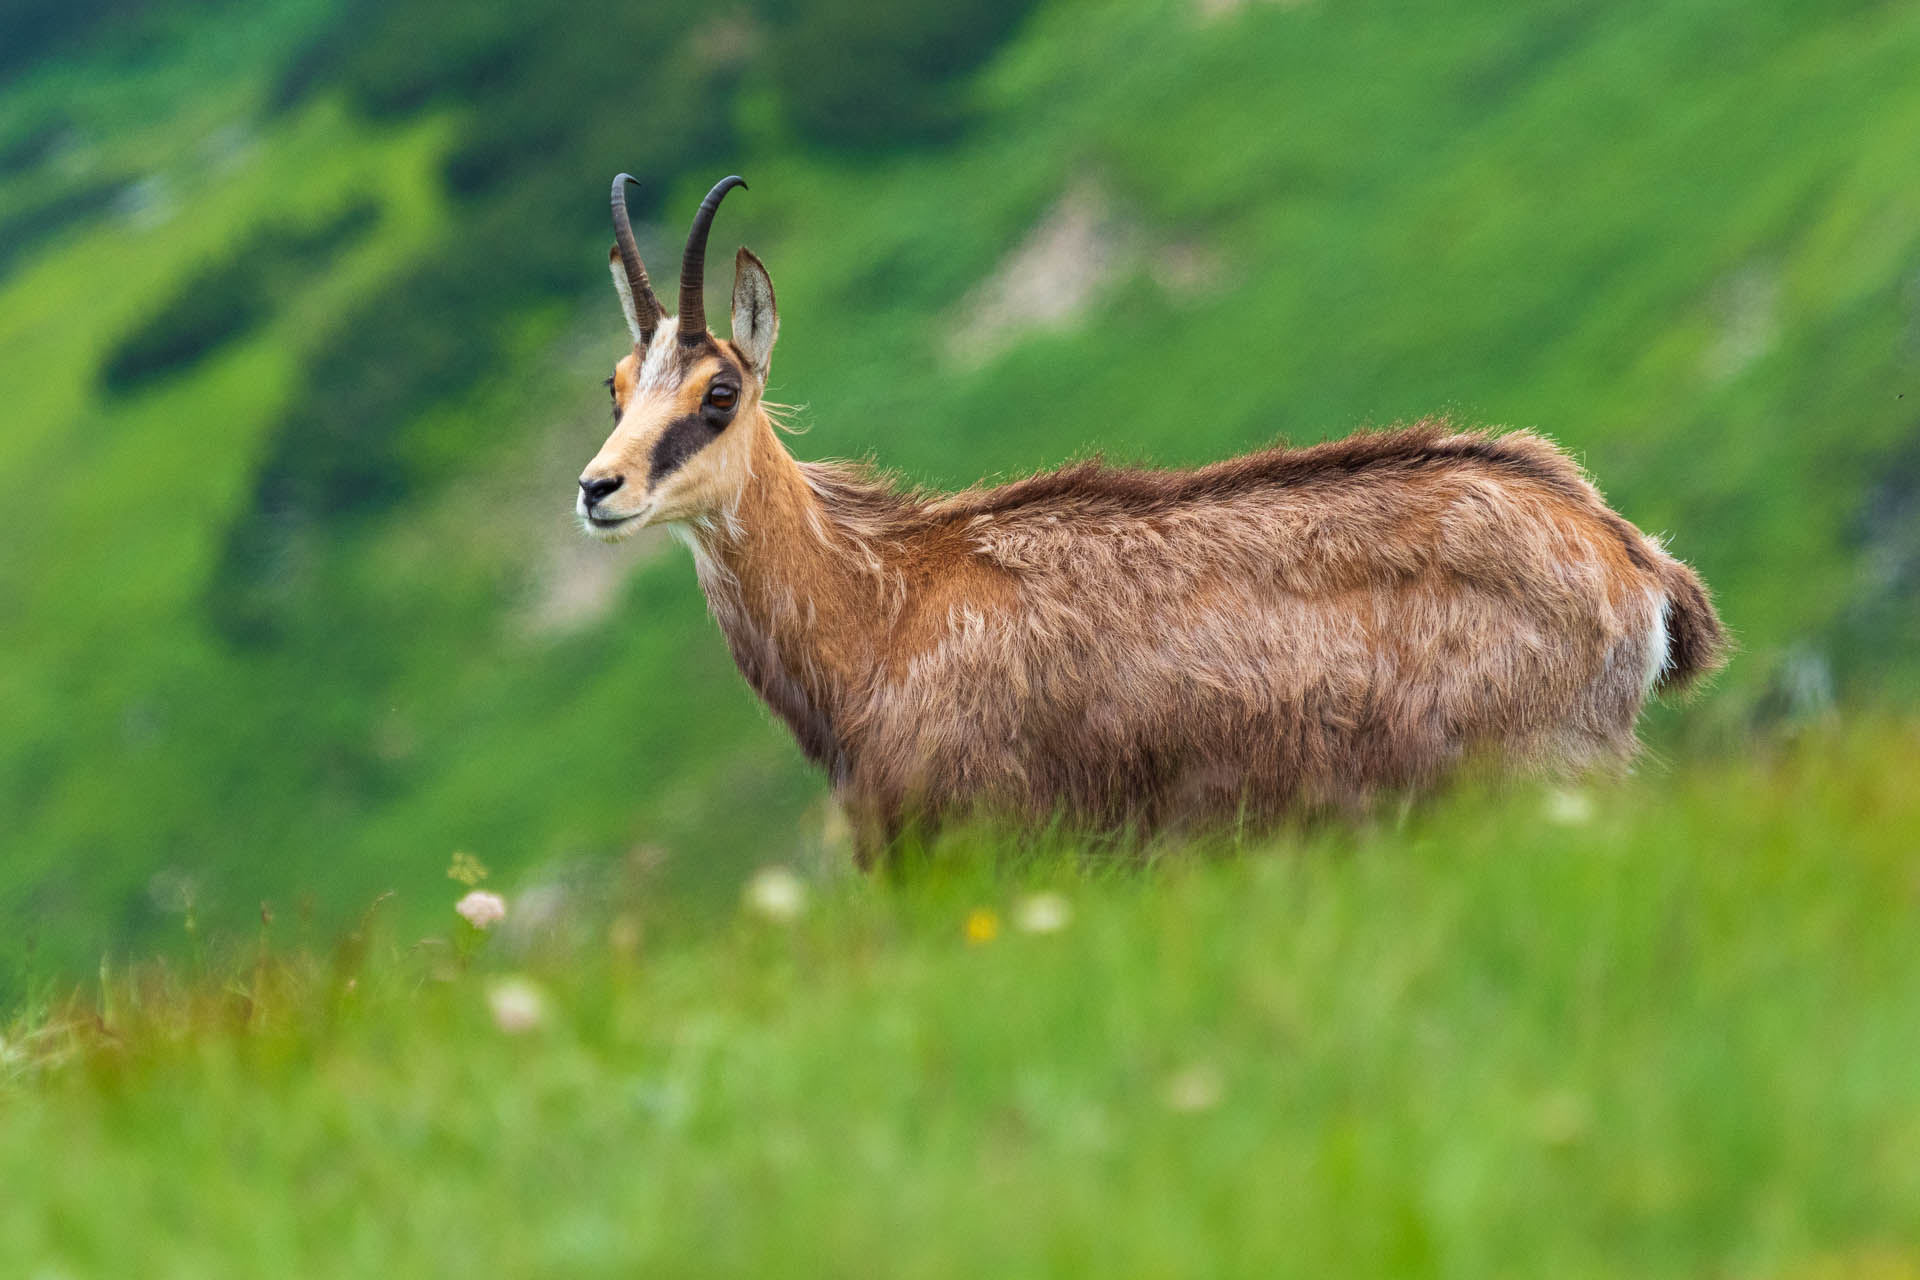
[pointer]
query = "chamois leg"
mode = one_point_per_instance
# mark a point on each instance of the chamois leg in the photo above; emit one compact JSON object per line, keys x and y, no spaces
{"x":876,"y":837}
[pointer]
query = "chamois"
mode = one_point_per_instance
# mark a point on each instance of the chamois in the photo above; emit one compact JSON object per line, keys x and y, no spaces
{"x":1289,"y":632}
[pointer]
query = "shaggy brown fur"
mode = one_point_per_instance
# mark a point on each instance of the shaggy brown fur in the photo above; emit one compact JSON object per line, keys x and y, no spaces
{"x":1292,"y":631}
{"x":1295,"y":630}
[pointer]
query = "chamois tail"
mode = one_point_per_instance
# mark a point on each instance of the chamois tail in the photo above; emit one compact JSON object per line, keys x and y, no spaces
{"x":1697,"y":643}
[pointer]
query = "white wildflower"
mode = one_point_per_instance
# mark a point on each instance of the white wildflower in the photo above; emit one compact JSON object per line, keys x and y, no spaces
{"x":1196,"y":1088}
{"x":1042,"y":913}
{"x":777,"y":893}
{"x":518,"y":1005}
{"x":482,"y":909}
{"x":1568,"y":808}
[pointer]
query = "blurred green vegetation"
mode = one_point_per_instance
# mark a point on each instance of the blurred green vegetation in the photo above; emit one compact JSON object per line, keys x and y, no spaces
{"x":231,"y":297}
{"x":1663,"y":1029}
{"x":306,"y":614}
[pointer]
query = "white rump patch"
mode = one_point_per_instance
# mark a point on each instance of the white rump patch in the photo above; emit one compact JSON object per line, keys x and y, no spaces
{"x":1659,"y":645}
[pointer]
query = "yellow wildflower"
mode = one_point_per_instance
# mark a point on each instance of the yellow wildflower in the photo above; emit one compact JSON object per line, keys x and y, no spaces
{"x":982,"y":926}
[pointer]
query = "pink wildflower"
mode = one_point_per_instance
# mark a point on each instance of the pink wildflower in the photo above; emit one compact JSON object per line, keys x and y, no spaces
{"x":481,"y":909}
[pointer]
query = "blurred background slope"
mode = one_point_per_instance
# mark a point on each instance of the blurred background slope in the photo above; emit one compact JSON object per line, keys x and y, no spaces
{"x":304,"y":312}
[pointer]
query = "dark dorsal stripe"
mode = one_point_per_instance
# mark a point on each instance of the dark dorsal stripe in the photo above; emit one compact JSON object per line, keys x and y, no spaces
{"x":1429,"y":445}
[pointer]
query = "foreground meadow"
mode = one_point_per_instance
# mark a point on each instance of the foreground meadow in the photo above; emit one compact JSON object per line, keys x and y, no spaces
{"x":1664,"y":1027}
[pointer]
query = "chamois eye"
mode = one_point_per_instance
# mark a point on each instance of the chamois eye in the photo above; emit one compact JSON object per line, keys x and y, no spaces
{"x":721,"y":396}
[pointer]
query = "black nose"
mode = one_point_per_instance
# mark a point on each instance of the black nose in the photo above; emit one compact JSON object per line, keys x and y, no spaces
{"x":598,"y":487}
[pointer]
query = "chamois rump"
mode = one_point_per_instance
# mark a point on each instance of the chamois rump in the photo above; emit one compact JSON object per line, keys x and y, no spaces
{"x":1288,"y":632}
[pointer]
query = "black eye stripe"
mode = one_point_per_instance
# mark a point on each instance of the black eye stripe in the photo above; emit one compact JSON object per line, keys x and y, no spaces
{"x":683,"y":438}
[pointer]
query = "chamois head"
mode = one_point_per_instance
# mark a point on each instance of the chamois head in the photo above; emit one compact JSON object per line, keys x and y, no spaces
{"x":685,"y":404}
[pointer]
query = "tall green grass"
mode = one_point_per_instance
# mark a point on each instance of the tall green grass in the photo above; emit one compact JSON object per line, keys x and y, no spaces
{"x":1665,"y":1027}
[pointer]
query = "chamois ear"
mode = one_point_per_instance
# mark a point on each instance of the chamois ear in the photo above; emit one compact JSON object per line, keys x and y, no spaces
{"x":756,"y":322}
{"x":625,"y":290}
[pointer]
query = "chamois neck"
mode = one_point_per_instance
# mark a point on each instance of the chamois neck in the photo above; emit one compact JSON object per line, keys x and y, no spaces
{"x":801,"y":598}
{"x":782,"y":535}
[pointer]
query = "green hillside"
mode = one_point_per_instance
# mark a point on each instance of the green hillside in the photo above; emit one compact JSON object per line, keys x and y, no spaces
{"x":303,"y":316}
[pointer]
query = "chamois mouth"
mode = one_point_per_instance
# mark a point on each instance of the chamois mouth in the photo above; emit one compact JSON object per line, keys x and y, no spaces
{"x":613,"y":528}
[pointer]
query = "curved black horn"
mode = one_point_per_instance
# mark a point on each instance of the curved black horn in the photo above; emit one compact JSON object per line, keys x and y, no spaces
{"x":646,"y":307}
{"x":693,"y":265}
